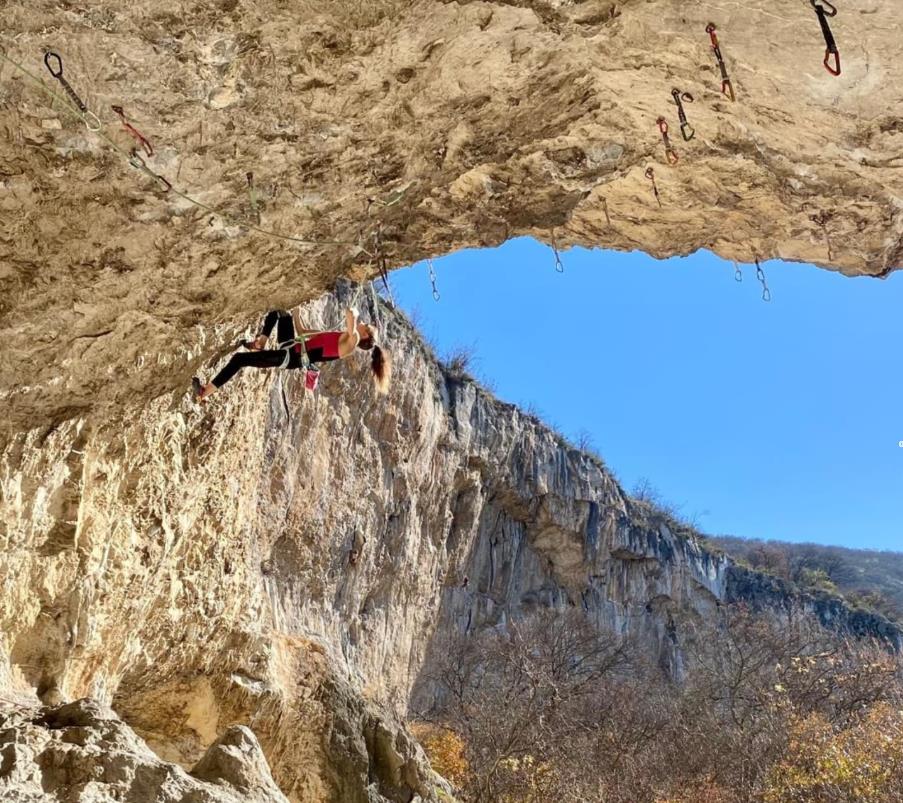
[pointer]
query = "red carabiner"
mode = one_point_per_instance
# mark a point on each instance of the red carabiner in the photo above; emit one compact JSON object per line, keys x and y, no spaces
{"x":836,"y":69}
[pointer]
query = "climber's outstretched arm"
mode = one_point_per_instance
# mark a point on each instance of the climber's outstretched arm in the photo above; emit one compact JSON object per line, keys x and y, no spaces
{"x":351,"y":322}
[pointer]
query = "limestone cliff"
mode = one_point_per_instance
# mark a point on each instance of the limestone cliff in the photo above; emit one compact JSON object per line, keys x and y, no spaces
{"x":193,"y":567}
{"x":82,"y":751}
{"x":393,"y":130}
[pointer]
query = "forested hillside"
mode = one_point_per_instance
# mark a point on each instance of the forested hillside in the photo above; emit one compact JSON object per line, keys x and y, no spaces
{"x":864,"y":577}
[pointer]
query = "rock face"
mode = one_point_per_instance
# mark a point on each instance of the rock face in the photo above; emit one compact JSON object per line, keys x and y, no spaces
{"x":81,"y":752}
{"x":284,"y":561}
{"x":394,"y":130}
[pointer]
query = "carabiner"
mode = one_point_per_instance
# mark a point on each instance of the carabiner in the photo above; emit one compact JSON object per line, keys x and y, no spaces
{"x":58,"y":73}
{"x":825,"y":6}
{"x":685,"y":126}
{"x":836,"y":68}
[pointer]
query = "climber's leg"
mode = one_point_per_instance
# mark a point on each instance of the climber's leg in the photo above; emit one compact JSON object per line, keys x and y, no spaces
{"x":285,"y":328}
{"x":273,"y":358}
{"x":260,"y":359}
{"x":271,"y":319}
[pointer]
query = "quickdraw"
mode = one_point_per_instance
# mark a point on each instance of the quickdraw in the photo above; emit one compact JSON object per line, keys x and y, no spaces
{"x":760,"y":275}
{"x":136,"y":160}
{"x":432,"y":271}
{"x":92,"y":123}
{"x":738,"y":274}
{"x":142,"y":140}
{"x":680,"y":98}
{"x":727,"y":88}
{"x":381,"y":259}
{"x":650,"y":174}
{"x":824,"y":9}
{"x":252,"y":197}
{"x":821,"y":220}
{"x":670,"y":153}
{"x":559,"y":266}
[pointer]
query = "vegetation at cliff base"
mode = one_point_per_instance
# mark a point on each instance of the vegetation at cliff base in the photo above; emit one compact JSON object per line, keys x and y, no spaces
{"x":866,"y":578}
{"x":763,"y":711}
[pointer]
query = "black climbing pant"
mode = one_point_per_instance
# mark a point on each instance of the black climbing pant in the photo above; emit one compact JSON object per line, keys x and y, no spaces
{"x":282,"y":320}
{"x":271,"y":358}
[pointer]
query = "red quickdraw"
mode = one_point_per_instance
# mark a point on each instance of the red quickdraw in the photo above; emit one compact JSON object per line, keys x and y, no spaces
{"x":142,"y":140}
{"x":727,"y":88}
{"x":824,"y":9}
{"x":670,"y":153}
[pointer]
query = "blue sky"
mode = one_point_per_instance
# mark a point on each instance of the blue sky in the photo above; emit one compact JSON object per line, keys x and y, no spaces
{"x":779,"y":420}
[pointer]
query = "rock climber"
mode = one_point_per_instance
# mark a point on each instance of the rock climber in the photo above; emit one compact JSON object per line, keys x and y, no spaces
{"x":290,"y":349}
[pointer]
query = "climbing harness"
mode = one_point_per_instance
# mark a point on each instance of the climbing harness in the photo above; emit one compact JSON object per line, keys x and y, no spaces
{"x":760,"y":275}
{"x":136,"y":160}
{"x":738,"y":274}
{"x":253,"y":197}
{"x":94,"y":125}
{"x":727,"y":88}
{"x":670,"y":153}
{"x":432,"y":271}
{"x":824,"y":9}
{"x":559,"y":265}
{"x":650,"y":174}
{"x":680,"y":98}
{"x":88,"y":117}
{"x":142,"y":140}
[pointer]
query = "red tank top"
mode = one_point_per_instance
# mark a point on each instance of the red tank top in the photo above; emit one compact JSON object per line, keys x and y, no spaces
{"x":325,"y":343}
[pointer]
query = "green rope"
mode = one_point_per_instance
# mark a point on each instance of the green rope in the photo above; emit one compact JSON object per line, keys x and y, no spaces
{"x":139,"y":164}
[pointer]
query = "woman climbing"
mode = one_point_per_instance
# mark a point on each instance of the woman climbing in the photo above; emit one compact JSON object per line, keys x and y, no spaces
{"x":291,"y":349}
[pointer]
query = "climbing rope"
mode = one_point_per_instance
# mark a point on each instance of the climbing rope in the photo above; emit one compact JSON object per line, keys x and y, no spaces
{"x":727,"y":88}
{"x":82,"y":113}
{"x":650,"y":174}
{"x":432,"y":271}
{"x":680,"y":98}
{"x":824,"y":9}
{"x":670,"y":153}
{"x":760,"y":275}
